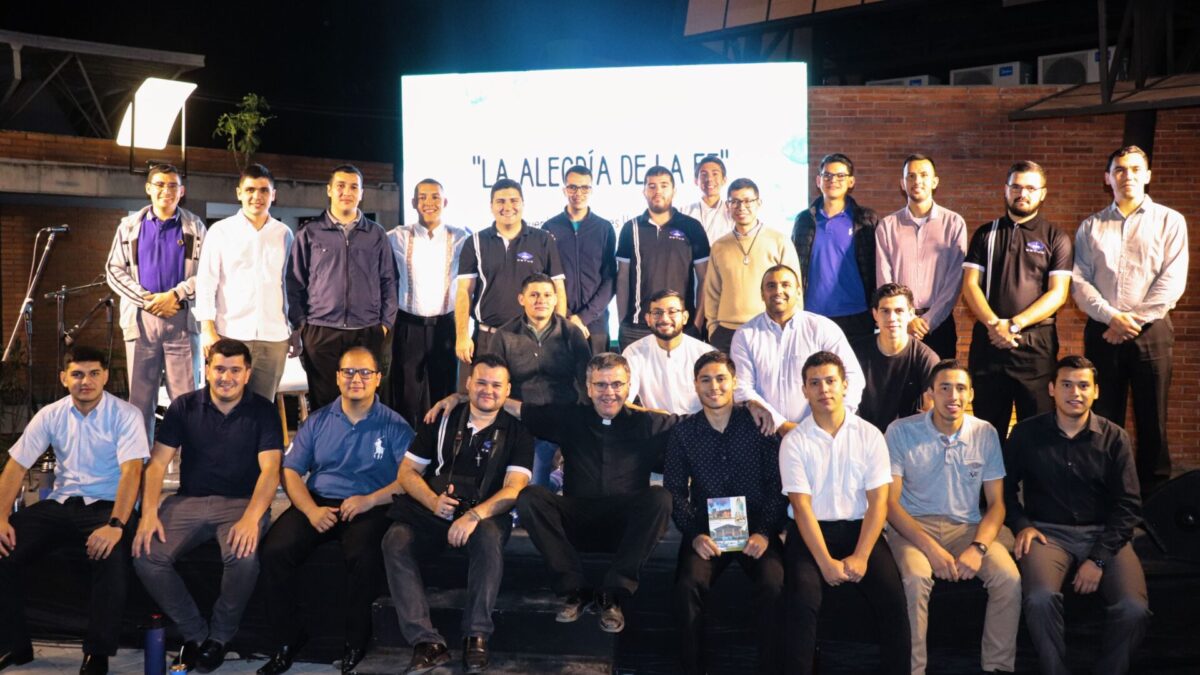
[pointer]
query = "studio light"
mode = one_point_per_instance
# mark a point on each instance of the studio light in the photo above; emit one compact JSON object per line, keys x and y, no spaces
{"x":149,"y":119}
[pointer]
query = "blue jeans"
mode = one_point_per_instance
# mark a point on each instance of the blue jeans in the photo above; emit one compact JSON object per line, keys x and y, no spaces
{"x":543,"y":462}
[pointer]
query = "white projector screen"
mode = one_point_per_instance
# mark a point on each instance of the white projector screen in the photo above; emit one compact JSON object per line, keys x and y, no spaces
{"x":468,"y":130}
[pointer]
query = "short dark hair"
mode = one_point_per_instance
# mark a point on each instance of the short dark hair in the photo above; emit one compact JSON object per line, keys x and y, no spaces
{"x":1126,"y":150}
{"x":84,"y":354}
{"x":779,"y":268}
{"x":426,"y":181}
{"x":346,"y":168}
{"x":506,"y":184}
{"x":490,"y":360}
{"x":228,"y":347}
{"x":710,"y":159}
{"x":580,"y":170}
{"x":163,"y":167}
{"x":606,"y":360}
{"x":715,"y":356}
{"x":659,"y":170}
{"x":918,"y":157}
{"x":1026,"y":166}
{"x":891,"y":290}
{"x":742,"y":184}
{"x":663,"y":295}
{"x":837,"y":158}
{"x":536,"y":278}
{"x":254,"y":172}
{"x":819,"y":359}
{"x":1075,"y":362}
{"x":361,"y":349}
{"x":948,"y":364}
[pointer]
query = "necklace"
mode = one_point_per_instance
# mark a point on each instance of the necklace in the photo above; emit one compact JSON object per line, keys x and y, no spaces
{"x":737,"y":238}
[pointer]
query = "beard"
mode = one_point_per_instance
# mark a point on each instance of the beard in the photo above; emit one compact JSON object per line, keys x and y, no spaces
{"x":1022,"y":211}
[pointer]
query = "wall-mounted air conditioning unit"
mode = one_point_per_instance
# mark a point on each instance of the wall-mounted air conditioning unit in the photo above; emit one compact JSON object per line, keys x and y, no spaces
{"x":1074,"y":67}
{"x":1008,"y":74}
{"x":914,"y":81}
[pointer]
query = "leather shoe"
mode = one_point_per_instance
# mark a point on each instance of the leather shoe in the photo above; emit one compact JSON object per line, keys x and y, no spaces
{"x":351,"y":656}
{"x":475,"y":654}
{"x":94,"y":664}
{"x":612,"y":619}
{"x":187,"y":656}
{"x":211,"y":656}
{"x":281,"y":660}
{"x":17,"y":656}
{"x":574,"y":604}
{"x":427,"y":656}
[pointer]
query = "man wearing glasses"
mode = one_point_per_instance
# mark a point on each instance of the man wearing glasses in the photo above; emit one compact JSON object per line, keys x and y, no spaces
{"x":835,"y":240}
{"x":152,"y":266}
{"x":1016,"y":275}
{"x":351,"y":451}
{"x":586,"y":244}
{"x":661,"y":363}
{"x":736,"y":265}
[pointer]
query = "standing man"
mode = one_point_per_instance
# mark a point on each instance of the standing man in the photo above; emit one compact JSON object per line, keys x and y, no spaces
{"x":232,"y":446}
{"x":1131,"y":266}
{"x":1016,"y":275}
{"x":922,"y":246}
{"x":427,"y":255}
{"x":895,"y":367}
{"x":834,"y":470}
{"x":700,"y":452}
{"x":940,"y":462}
{"x":152,"y":265}
{"x":661,"y":363}
{"x":350,"y":450}
{"x":341,"y":285}
{"x":495,"y":262}
{"x":1080,"y":508}
{"x":711,"y":211}
{"x":483,"y":459}
{"x":736,"y":265}
{"x":835,"y":240}
{"x":660,"y":249}
{"x":240,"y":284}
{"x":586,"y":244}
{"x":100,"y":444}
{"x":767,"y":348}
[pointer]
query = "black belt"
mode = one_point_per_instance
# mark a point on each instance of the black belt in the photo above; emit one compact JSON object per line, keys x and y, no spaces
{"x":404,"y":317}
{"x":484,"y":328}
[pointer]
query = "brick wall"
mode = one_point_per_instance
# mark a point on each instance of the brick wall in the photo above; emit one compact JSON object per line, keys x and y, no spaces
{"x":967,"y":132}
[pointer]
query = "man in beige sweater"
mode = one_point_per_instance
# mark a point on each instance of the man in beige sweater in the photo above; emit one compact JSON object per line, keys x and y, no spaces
{"x":737,"y":263}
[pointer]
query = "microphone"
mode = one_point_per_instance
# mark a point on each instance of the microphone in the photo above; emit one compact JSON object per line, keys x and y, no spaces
{"x":57,"y":229}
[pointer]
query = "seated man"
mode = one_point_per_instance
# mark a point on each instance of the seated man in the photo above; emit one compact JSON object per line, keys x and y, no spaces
{"x":834,"y":469}
{"x":100,"y":444}
{"x":464,"y":499}
{"x":231,"y":448}
{"x":351,"y":451}
{"x":896,"y":367}
{"x":700,"y":452}
{"x":940,"y":462}
{"x":1081,"y":503}
{"x":662,"y":363}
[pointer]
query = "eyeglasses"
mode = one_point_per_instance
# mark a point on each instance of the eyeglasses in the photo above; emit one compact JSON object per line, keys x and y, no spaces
{"x":610,"y":386}
{"x":578,"y":188}
{"x":660,"y":313}
{"x":1022,"y":189}
{"x":834,"y":177}
{"x":739,"y":203}
{"x":350,"y":373}
{"x":165,"y":187}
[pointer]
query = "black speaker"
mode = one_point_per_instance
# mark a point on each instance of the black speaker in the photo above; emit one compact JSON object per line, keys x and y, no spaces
{"x":1173,"y":517}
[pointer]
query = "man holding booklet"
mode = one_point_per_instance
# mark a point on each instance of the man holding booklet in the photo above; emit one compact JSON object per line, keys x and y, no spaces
{"x":733,"y":509}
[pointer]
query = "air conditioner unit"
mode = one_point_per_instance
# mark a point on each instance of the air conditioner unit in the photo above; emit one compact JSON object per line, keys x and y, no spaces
{"x":1008,"y":74}
{"x":1074,"y":67}
{"x":914,"y":81}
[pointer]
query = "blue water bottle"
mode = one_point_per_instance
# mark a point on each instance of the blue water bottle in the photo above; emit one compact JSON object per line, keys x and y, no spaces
{"x":156,"y":646}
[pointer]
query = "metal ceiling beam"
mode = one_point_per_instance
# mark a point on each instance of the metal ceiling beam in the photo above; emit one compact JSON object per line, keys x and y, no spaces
{"x":57,"y":44}
{"x":36,"y":91}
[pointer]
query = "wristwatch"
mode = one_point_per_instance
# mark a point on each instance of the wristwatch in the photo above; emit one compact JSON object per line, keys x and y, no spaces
{"x":1013,"y":326}
{"x":980,"y":546}
{"x":1098,"y":563}
{"x":116,"y":522}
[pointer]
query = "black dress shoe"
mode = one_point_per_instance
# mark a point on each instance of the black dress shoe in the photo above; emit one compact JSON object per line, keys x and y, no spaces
{"x":351,"y":656}
{"x":16,"y":656}
{"x":187,"y":656}
{"x":281,"y":660}
{"x":94,"y":664}
{"x":475,"y":654}
{"x":427,"y":656}
{"x":211,"y":656}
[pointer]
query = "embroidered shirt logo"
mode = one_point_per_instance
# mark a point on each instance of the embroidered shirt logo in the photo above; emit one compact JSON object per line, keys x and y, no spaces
{"x":379,"y":448}
{"x":525,"y":257}
{"x":677,"y":234}
{"x":1036,"y":247}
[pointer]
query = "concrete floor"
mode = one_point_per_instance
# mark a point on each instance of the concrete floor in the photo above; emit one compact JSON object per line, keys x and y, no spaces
{"x":55,"y":658}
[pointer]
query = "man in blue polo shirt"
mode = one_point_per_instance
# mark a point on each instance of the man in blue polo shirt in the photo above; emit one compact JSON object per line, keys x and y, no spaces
{"x":351,"y":451}
{"x":232,"y":446}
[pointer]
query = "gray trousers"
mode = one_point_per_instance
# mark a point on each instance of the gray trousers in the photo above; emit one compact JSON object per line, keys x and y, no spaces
{"x":162,"y":345}
{"x":268,"y":359}
{"x":1044,"y":570}
{"x":189,"y":522}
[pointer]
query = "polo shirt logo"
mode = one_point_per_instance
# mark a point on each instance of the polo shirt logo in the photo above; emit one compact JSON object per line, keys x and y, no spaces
{"x":525,"y":257}
{"x":379,"y":448}
{"x":676,"y":234}
{"x":1036,"y":247}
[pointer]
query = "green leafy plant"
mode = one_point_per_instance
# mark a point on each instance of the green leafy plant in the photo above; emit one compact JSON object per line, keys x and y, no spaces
{"x":240,"y":129}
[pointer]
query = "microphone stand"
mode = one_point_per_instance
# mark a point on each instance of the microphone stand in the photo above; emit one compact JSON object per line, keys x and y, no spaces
{"x":66,"y":337}
{"x":25,"y":316}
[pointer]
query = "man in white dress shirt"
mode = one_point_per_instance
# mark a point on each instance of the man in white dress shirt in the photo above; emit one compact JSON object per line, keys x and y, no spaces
{"x":769,"y":348}
{"x":661,"y":364}
{"x":710,"y":210}
{"x":240,"y":282}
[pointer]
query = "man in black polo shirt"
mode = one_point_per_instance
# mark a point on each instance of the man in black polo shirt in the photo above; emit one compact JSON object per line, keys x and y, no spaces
{"x":232,"y":448}
{"x":896,"y":366}
{"x":1016,"y":275}
{"x":1080,"y":506}
{"x":585,"y":243}
{"x":494,"y":262}
{"x":659,"y":250}
{"x":461,"y":478}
